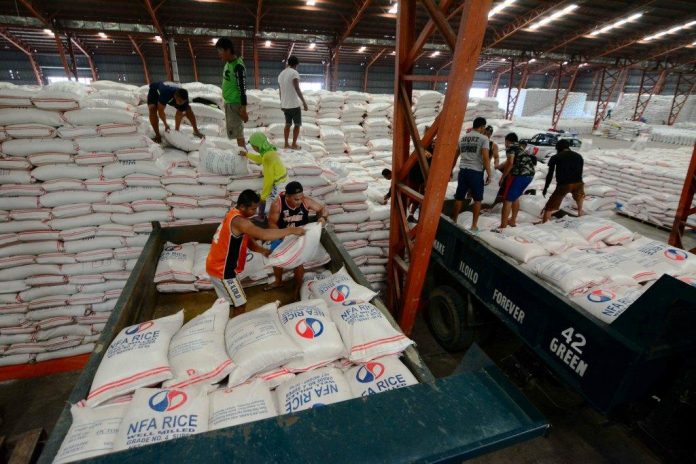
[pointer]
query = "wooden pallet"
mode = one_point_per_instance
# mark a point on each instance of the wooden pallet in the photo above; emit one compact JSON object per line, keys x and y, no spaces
{"x":22,"y":449}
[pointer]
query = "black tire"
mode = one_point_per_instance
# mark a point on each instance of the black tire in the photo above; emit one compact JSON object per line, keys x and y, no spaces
{"x":449,"y":313}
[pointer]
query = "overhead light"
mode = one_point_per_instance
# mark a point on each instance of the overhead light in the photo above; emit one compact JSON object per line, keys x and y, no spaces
{"x":668,"y":31}
{"x":158,"y":38}
{"x":499,"y":7}
{"x":312,"y":46}
{"x":565,"y":63}
{"x":362,"y":49}
{"x":616,"y":24}
{"x":434,"y":54}
{"x":532,"y":60}
{"x":213,"y":41}
{"x":311,"y":2}
{"x":268,"y":43}
{"x":102,"y":35}
{"x":49,"y":32}
{"x":394,"y":9}
{"x":393,"y":52}
{"x":557,"y":15}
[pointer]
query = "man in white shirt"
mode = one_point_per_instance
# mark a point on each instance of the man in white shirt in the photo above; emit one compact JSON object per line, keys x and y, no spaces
{"x":290,"y":99}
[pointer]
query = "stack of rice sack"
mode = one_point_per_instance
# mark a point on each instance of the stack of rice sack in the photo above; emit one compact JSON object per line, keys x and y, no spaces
{"x":648,"y":183}
{"x":75,"y":188}
{"x":377,"y":123}
{"x":624,"y":130}
{"x":330,"y":347}
{"x":597,"y":263}
{"x":485,"y":107}
{"x":426,"y":106}
{"x":674,"y":135}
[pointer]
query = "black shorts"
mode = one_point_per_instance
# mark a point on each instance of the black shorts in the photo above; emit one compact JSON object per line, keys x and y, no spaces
{"x":152,"y":95}
{"x":293,"y":116}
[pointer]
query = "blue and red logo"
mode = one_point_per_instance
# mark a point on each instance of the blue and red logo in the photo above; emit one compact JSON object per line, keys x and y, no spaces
{"x":676,"y":254}
{"x":370,"y":372}
{"x":167,"y":400}
{"x":309,"y":328}
{"x":601,"y":296}
{"x":340,"y":293}
{"x":143,"y":326}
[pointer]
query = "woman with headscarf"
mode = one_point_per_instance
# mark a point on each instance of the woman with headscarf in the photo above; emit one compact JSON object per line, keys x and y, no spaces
{"x":275,"y":175}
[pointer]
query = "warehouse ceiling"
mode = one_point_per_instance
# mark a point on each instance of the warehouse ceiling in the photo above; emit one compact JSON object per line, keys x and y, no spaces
{"x":544,"y":31}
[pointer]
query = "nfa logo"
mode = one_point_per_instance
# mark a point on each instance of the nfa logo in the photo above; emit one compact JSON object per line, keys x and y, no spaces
{"x":309,"y":328}
{"x":137,"y":328}
{"x":167,"y":400}
{"x":601,"y":296}
{"x":370,"y":372}
{"x":519,"y":239}
{"x":340,"y":293}
{"x":250,"y":256}
{"x":173,"y":248}
{"x":676,"y":254}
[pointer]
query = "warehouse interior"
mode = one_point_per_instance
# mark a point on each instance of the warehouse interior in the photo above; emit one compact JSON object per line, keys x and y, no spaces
{"x":106,"y":233}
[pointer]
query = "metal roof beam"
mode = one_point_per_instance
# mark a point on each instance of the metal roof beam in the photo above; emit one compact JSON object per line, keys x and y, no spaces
{"x":24,"y":48}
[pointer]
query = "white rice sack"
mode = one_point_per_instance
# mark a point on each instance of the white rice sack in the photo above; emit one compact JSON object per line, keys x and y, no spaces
{"x":10,"y":116}
{"x":92,"y":432}
{"x":257,"y":342}
{"x":226,"y":162}
{"x":199,"y":263}
{"x":98,"y":116}
{"x":136,"y":358}
{"x":111,"y":143}
{"x":155,"y":415}
{"x":183,"y":141}
{"x":310,"y":326}
{"x":256,"y":267}
{"x":340,"y":288}
{"x":518,"y":247}
{"x":197,"y":351}
{"x":549,"y":241}
{"x":26,"y":147}
{"x":607,"y":302}
{"x":378,"y":376}
{"x":244,"y":403}
{"x":176,"y":263}
{"x":366,"y":333}
{"x":295,"y":250}
{"x":569,"y":275}
{"x":662,"y":258}
{"x":320,"y":387}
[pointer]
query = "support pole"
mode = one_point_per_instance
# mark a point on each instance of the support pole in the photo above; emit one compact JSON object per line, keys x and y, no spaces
{"x":84,"y":51}
{"x":175,"y":64}
{"x":73,"y":61}
{"x":684,"y":209}
{"x":512,"y":76}
{"x":685,"y":87}
{"x":334,"y":70}
{"x":193,"y":60}
{"x":522,"y":84}
{"x":562,"y":94}
{"x":609,"y":81}
{"x":255,"y":44}
{"x":155,"y":22}
{"x":61,"y":53}
{"x":650,"y":84}
{"x":369,"y":64}
{"x":142,"y":58}
{"x":409,"y":251}
{"x":24,"y":48}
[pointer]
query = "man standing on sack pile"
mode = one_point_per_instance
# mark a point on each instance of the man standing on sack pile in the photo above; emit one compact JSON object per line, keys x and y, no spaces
{"x":290,"y":99}
{"x":568,"y":166}
{"x":159,"y":96}
{"x":233,"y":90}
{"x":228,"y":251}
{"x":291,"y":209}
{"x":275,"y":176}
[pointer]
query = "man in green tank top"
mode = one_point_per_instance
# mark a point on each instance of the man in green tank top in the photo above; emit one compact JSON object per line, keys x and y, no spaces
{"x":233,"y":90}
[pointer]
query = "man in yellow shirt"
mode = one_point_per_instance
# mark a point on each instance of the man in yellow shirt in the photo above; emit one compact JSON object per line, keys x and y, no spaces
{"x":275,"y":176}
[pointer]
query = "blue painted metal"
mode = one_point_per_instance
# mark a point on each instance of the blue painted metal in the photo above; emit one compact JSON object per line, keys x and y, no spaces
{"x":607,"y":364}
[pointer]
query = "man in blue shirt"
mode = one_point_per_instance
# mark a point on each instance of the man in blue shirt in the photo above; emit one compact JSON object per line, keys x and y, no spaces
{"x":162,"y":94}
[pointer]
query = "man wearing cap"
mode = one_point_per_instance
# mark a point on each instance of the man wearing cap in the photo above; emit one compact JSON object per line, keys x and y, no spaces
{"x":162,"y":94}
{"x":291,"y":209}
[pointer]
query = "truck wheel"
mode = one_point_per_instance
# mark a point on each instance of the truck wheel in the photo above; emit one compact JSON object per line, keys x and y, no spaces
{"x":449,"y":312}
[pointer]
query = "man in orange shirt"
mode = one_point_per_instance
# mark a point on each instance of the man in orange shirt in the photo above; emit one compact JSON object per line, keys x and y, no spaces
{"x":228,"y":251}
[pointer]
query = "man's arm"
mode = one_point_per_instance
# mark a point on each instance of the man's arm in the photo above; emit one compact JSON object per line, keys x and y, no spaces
{"x":162,"y":115}
{"x":192,"y":119}
{"x":254,"y":158}
{"x":496,"y":156}
{"x":317,"y":207}
{"x":247,"y":227}
{"x":177,"y":119}
{"x":254,"y":246}
{"x":274,"y":215}
{"x":241,"y":82}
{"x":486,"y":164}
{"x":549,"y":175}
{"x":296,"y":84}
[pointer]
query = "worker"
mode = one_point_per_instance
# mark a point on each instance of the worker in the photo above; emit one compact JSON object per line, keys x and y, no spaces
{"x":162,"y":94}
{"x":228,"y":252}
{"x":290,"y":99}
{"x":494,"y":152}
{"x":275,"y":176}
{"x":568,"y":166}
{"x":473,"y":150}
{"x":519,"y":173}
{"x":233,"y":90}
{"x":291,"y":209}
